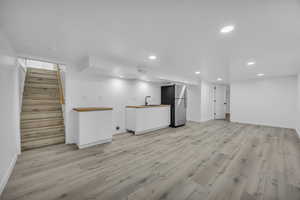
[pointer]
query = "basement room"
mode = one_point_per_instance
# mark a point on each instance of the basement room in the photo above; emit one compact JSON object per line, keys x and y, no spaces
{"x":149,"y":100}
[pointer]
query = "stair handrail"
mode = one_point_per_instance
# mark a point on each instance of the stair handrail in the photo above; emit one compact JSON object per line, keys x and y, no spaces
{"x":60,"y":88}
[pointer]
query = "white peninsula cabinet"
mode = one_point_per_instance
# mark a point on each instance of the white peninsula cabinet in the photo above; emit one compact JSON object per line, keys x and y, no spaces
{"x":94,"y":126}
{"x":143,"y":119}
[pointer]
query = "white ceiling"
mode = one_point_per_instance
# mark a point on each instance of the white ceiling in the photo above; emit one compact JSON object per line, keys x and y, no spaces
{"x":183,"y":34}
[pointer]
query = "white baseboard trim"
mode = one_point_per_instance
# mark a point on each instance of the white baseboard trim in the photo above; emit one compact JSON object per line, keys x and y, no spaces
{"x":194,"y":121}
{"x":94,"y":143}
{"x":261,"y":124}
{"x":206,"y":120}
{"x":200,"y":121}
{"x":150,"y":130}
{"x":118,"y":133}
{"x":5,"y":178}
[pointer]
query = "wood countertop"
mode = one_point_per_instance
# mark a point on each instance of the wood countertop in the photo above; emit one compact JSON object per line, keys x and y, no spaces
{"x":88,"y":109}
{"x":149,"y":106}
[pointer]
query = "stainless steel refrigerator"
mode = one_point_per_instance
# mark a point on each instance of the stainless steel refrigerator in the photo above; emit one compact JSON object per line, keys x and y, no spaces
{"x":176,"y":97}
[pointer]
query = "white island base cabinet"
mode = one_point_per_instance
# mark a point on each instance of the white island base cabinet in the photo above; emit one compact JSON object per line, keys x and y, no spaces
{"x":94,"y":126}
{"x":143,"y":119}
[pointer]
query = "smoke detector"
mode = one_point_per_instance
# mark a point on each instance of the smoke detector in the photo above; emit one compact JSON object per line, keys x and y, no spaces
{"x":141,"y":70}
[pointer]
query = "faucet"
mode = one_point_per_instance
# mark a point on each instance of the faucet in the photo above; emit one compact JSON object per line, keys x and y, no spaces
{"x":146,"y":98}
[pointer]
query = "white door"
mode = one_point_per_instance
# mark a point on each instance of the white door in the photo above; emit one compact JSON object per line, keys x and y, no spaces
{"x":220,"y":101}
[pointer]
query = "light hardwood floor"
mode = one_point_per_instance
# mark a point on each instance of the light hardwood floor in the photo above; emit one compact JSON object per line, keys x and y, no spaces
{"x":212,"y":160}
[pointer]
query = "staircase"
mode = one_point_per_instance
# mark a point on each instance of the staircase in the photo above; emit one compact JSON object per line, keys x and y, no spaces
{"x":42,"y":121}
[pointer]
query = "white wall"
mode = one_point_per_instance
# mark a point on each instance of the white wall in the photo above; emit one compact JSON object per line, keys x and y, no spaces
{"x":207,"y":93}
{"x":228,"y":99}
{"x":9,"y":107}
{"x":83,"y":90}
{"x":267,"y":101}
{"x":200,"y":102}
{"x":298,"y":102}
{"x":193,"y":103}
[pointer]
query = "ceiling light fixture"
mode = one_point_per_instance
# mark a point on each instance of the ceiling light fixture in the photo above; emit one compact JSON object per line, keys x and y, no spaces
{"x":227,"y":29}
{"x":219,"y":79}
{"x":250,"y":63}
{"x":260,"y":74}
{"x":152,"y":57}
{"x":197,"y":72}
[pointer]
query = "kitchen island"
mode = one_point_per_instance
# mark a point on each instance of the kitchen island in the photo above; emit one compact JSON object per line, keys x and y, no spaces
{"x":142,"y":119}
{"x":94,"y":126}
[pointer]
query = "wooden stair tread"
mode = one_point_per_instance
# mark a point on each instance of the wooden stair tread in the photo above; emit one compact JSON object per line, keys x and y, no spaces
{"x":40,"y":96}
{"x":44,"y":76}
{"x":32,"y":137}
{"x":42,"y":80}
{"x":41,"y":108}
{"x":42,"y":129}
{"x":38,"y":70}
{"x":60,"y":136}
{"x":40,"y":115}
{"x":41,"y":120}
{"x":42,"y":135}
{"x":40,"y":123}
{"x":30,"y":101}
{"x":42,"y":143}
{"x":41,"y":85}
{"x":42,"y":91}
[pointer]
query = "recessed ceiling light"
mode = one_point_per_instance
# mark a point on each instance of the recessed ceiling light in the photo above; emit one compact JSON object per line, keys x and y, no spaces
{"x":250,"y":63}
{"x":219,"y":79}
{"x":197,"y":72}
{"x":152,"y":57}
{"x":260,"y":74}
{"x":227,"y":29}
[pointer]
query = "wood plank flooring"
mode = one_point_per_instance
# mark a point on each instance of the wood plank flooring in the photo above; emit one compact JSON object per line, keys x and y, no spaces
{"x":210,"y":161}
